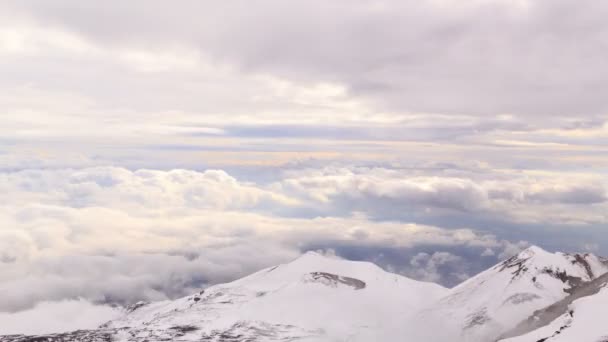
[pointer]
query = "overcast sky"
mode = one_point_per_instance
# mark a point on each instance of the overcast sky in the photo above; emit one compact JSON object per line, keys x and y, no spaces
{"x":151,"y":148}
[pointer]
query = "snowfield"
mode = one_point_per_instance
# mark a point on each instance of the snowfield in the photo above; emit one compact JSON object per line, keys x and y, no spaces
{"x":320,"y":298}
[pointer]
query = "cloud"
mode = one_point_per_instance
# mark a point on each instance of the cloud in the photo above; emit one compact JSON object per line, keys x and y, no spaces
{"x":55,"y":317}
{"x":517,"y":196}
{"x":488,"y":252}
{"x":428,"y":266}
{"x":108,"y":186}
{"x":127,"y":277}
{"x":370,"y":71}
{"x":111,"y":257}
{"x":484,"y":57}
{"x":111,"y":235}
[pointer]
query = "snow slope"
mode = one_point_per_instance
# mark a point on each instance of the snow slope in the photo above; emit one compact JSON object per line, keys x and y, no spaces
{"x":496,"y":300}
{"x":579,"y":317}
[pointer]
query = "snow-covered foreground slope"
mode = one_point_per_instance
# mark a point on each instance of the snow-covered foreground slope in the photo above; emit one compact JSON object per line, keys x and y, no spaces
{"x":578,"y":317}
{"x":319,"y":298}
{"x":586,"y":322}
{"x":496,"y":300}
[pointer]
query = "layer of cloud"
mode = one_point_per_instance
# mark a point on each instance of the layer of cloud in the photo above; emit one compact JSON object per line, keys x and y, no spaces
{"x":519,"y":196}
{"x":55,"y":317}
{"x":481,"y":57}
{"x":483,"y":73}
{"x":111,"y":235}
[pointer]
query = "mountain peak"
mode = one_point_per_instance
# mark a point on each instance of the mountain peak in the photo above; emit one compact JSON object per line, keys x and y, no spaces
{"x":318,"y":261}
{"x":531,"y":257}
{"x":291,"y":301}
{"x":318,"y":254}
{"x":531,"y":251}
{"x":498,"y":297}
{"x":311,"y":260}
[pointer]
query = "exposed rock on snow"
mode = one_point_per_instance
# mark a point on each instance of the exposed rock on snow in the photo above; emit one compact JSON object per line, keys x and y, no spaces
{"x":334,"y":280}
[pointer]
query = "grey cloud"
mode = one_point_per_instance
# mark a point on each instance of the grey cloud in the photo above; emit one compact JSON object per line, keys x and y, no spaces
{"x":481,"y":57}
{"x":387,"y":191}
{"x":578,"y":194}
{"x":431,"y":128}
{"x":430,"y":267}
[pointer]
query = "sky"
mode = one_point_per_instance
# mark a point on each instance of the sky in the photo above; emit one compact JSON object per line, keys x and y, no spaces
{"x":151,"y":148}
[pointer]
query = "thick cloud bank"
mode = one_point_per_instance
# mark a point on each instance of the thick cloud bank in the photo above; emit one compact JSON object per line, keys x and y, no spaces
{"x":112,"y":235}
{"x":53,"y":317}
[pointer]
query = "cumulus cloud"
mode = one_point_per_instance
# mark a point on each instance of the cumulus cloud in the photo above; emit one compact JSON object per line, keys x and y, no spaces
{"x":112,"y":235}
{"x":515,"y":195}
{"x":109,"y":186}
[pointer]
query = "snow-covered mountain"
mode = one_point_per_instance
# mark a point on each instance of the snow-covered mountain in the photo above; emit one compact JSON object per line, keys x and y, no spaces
{"x":320,"y":298}
{"x":491,"y":303}
{"x":314,"y":298}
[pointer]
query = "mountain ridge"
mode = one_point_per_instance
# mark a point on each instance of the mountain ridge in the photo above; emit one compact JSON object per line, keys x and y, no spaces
{"x":323,"y":298}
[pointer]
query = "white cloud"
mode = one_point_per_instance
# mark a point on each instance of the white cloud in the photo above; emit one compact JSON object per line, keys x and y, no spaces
{"x":488,"y":252}
{"x":427,"y":266}
{"x":146,"y":189}
{"x":56,"y":317}
{"x":114,"y":235}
